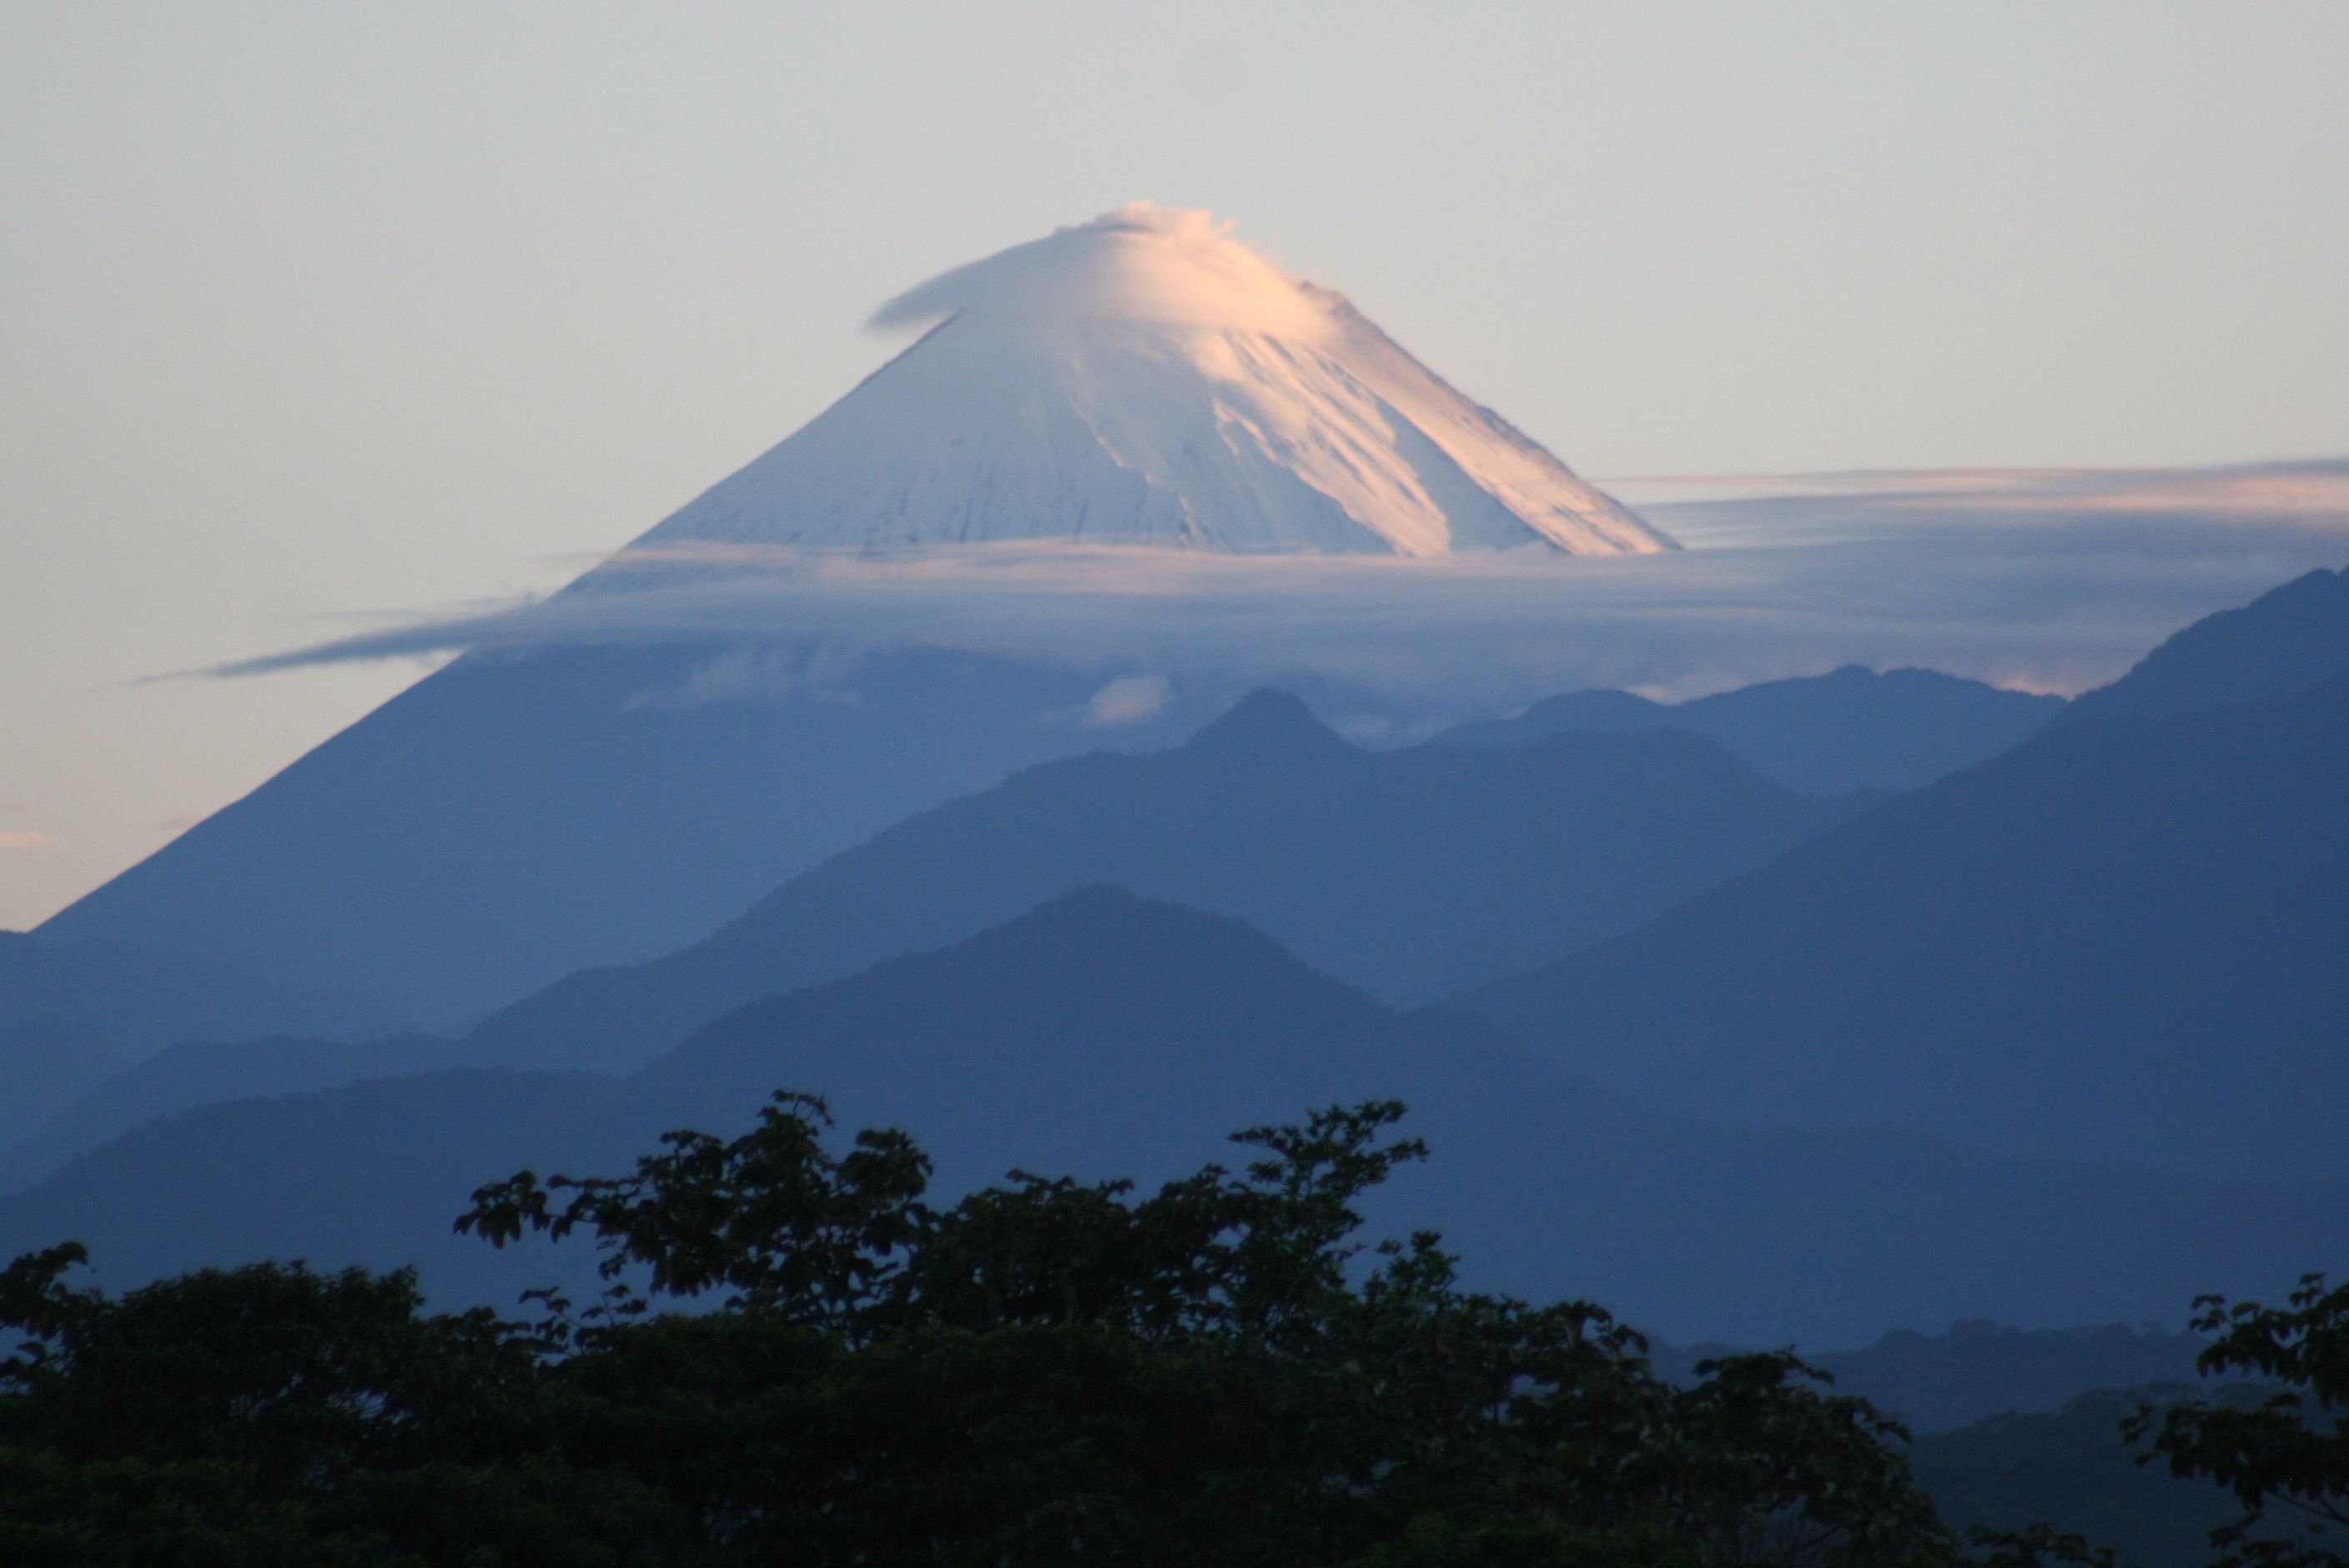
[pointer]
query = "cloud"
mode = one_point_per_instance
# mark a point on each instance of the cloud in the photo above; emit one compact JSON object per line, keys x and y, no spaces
{"x":2053,"y":580}
{"x":1140,"y":263}
{"x":1128,"y":699}
{"x":20,"y":838}
{"x":769,"y":672}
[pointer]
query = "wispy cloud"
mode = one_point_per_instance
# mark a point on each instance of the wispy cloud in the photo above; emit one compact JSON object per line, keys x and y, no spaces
{"x":2051,"y":579}
{"x":22,"y":839}
{"x":1128,"y":699}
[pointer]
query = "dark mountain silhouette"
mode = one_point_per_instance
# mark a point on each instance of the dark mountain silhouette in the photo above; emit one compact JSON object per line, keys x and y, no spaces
{"x":1826,"y":734}
{"x":2069,"y":1469}
{"x":516,"y":817}
{"x":2287,"y":640}
{"x":2122,"y":941}
{"x":371,"y":1173}
{"x":1103,"y":1035}
{"x":1406,"y":873}
{"x":1975,"y":1369}
{"x":73,"y":1013}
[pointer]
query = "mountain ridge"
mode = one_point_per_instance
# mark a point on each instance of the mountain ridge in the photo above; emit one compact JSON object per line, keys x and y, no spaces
{"x":1398,"y":871}
{"x":1852,"y":728}
{"x":1104,"y":1034}
{"x":2291,"y":638}
{"x":2120,"y":941}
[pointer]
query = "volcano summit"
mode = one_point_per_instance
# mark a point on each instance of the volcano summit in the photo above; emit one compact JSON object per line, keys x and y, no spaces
{"x":1146,"y":379}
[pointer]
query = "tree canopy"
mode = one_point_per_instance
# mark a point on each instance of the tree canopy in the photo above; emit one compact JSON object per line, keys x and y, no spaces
{"x":797,"y":1357}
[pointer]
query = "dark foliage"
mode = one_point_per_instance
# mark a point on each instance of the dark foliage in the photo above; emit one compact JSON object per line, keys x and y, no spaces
{"x":2286,"y":1459}
{"x":1217,"y":1372}
{"x":2071,"y":1471}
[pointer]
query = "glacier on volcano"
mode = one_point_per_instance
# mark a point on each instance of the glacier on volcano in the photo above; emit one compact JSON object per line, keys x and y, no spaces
{"x":1144,"y":378}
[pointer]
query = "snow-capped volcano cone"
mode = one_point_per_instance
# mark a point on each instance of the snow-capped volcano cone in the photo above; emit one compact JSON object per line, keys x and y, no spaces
{"x":1146,"y":379}
{"x":534,"y":809}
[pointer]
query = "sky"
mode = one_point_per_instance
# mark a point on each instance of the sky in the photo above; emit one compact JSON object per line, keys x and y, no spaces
{"x":317,"y":320}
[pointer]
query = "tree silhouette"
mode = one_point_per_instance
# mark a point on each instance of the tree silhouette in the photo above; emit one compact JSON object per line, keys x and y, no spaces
{"x":1221,"y":1371}
{"x":2286,"y":1459}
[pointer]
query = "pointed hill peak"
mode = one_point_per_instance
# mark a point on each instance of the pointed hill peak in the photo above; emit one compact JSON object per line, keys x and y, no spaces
{"x":2289,"y":639}
{"x":1099,"y":966}
{"x":1268,"y":723}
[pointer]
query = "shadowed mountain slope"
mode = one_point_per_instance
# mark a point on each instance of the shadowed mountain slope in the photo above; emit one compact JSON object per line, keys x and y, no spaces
{"x":1975,"y":1369}
{"x":142,"y":997}
{"x":2069,"y":1469}
{"x":206,"y":1072}
{"x":1103,"y":1036}
{"x":48,"y":1061}
{"x":74,"y":1013}
{"x":2122,"y":941}
{"x":2287,"y":640}
{"x":1406,"y":873}
{"x":514,"y":818}
{"x":1826,"y":734}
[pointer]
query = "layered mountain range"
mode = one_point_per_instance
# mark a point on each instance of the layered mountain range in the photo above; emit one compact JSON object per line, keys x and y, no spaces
{"x":1803,"y":1010}
{"x":1103,"y":1036}
{"x":1643,"y":1121}
{"x":2122,"y":940}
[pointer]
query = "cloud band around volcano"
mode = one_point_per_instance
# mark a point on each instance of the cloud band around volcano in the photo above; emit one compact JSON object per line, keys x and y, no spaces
{"x":2049,"y":581}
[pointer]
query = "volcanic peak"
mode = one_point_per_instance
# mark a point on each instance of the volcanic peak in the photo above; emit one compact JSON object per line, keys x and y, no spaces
{"x":1145,"y":379}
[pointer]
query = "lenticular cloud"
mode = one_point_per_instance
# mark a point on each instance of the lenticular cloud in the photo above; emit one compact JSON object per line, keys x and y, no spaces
{"x":1140,"y":264}
{"x":2053,"y":582}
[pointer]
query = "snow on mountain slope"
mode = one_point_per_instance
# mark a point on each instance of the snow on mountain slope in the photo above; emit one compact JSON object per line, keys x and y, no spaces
{"x":1146,"y":379}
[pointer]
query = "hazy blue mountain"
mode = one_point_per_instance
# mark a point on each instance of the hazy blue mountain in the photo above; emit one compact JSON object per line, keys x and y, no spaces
{"x":2069,"y":1468}
{"x":1406,"y":873}
{"x":183,"y":1076}
{"x":47,"y":1062}
{"x":1827,"y":735}
{"x":516,"y":817}
{"x":1975,"y":1369}
{"x":372,"y":1173}
{"x":2122,"y":941}
{"x":1103,"y":1035}
{"x":74,"y":1013}
{"x":2287,"y":640}
{"x":142,"y":997}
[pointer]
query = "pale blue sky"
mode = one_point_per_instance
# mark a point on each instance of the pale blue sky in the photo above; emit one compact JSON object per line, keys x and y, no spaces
{"x":316,"y":313}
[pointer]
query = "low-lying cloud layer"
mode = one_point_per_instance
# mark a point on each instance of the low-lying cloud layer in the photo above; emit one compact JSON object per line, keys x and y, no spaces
{"x":2048,"y":580}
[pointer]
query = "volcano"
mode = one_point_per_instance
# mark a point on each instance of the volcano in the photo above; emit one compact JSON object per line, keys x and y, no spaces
{"x":1143,"y":380}
{"x":1146,"y":379}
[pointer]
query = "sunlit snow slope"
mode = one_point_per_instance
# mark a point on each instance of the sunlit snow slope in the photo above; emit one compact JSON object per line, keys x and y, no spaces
{"x":1146,"y":379}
